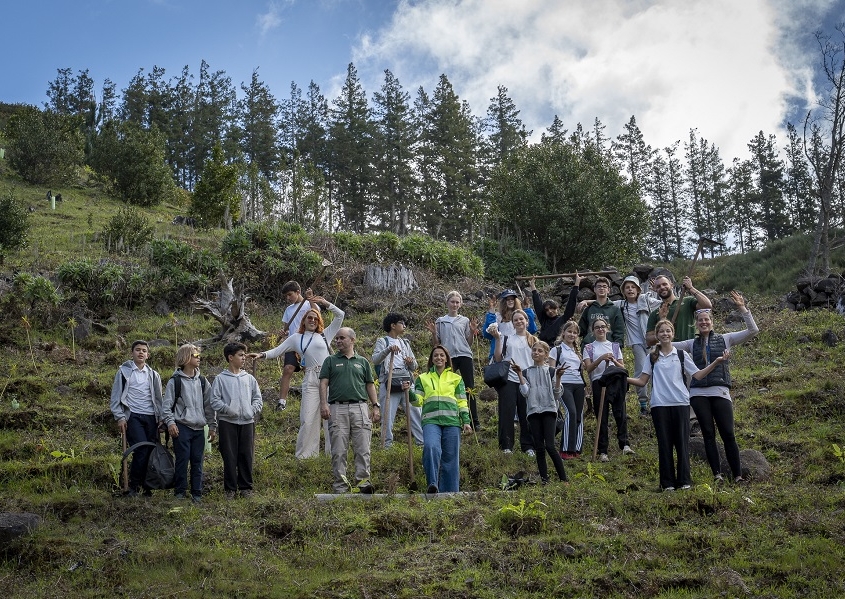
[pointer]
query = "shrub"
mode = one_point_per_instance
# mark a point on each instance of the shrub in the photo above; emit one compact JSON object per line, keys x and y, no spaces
{"x":180,"y":270}
{"x":14,"y":225}
{"x":127,"y":231}
{"x":505,"y":260}
{"x":44,"y":146}
{"x":101,"y":285}
{"x":266,"y":256}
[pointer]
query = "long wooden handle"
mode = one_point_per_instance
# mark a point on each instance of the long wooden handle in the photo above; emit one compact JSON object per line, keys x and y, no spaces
{"x":568,"y":274}
{"x":125,"y":465}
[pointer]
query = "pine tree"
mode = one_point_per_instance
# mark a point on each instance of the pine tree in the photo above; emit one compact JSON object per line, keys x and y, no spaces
{"x":744,"y":200}
{"x":212,"y":119}
{"x":768,"y":174}
{"x":555,"y":133}
{"x":505,"y":129}
{"x":352,"y":151}
{"x":394,"y":146}
{"x":798,"y":184}
{"x":256,"y":132}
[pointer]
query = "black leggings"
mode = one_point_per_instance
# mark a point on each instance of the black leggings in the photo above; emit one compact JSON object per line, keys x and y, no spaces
{"x":712,"y":410}
{"x":543,"y":432}
{"x":466,"y":368}
{"x":511,"y":402}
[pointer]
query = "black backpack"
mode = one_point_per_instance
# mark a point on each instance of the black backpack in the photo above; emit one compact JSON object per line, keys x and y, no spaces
{"x":161,"y":469}
{"x":177,"y":389}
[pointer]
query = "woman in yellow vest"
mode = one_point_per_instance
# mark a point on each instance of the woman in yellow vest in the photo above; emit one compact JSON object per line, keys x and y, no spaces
{"x":443,"y":398}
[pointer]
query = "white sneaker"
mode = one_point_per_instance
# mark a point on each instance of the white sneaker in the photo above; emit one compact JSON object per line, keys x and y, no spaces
{"x":531,"y":453}
{"x":627,"y":450}
{"x":506,"y":451}
{"x":668,"y":489}
{"x":603,"y":458}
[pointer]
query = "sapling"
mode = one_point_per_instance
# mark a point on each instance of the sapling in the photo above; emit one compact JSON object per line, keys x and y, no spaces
{"x":27,"y":325}
{"x":591,"y":473}
{"x":71,"y":322}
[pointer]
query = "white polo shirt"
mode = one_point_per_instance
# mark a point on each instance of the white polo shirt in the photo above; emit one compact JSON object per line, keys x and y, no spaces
{"x":667,"y":381}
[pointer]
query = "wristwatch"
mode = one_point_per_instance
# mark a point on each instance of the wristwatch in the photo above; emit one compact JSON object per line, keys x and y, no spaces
{"x":376,"y":405}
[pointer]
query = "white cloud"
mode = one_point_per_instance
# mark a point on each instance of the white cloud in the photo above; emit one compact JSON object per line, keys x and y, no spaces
{"x":725,"y":67}
{"x":271,"y":19}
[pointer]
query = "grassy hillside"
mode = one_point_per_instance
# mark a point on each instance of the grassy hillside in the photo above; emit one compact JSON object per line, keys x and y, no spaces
{"x":607,"y":533}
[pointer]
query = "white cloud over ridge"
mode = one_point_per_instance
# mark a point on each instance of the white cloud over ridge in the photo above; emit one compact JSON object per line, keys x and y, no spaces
{"x":725,"y":67}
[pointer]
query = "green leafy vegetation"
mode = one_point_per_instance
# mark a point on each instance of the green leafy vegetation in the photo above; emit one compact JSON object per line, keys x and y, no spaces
{"x":14,"y":225}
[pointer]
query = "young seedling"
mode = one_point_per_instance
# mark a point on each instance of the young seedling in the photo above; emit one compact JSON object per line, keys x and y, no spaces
{"x":591,"y":473}
{"x":71,"y":323}
{"x":27,"y":325}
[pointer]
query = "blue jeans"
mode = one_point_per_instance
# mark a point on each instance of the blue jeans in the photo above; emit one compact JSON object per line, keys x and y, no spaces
{"x":140,"y":427}
{"x":189,"y":445}
{"x":442,"y":456}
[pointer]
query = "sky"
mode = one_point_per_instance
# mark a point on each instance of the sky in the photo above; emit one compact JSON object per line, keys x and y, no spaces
{"x":728,"y":68}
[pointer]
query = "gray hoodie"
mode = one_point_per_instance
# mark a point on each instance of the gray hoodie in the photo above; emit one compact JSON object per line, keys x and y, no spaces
{"x":193,"y":408}
{"x":119,"y":389}
{"x":236,"y":397}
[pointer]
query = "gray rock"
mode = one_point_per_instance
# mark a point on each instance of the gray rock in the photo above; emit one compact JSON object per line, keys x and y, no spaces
{"x":829,"y":338}
{"x":14,"y":525}
{"x":161,"y":308}
{"x":754,"y":464}
{"x":82,"y":330}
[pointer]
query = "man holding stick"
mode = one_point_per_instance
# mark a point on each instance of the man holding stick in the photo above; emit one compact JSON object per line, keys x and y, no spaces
{"x":680,"y":311}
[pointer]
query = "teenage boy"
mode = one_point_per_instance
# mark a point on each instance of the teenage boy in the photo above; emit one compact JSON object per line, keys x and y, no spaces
{"x":136,"y":406}
{"x":291,"y":319}
{"x":346,"y":384}
{"x":602,"y":308}
{"x":636,"y":307}
{"x":186,"y":412}
{"x":236,"y":398}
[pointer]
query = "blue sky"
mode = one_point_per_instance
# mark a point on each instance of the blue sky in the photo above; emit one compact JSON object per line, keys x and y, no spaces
{"x":729,"y":68}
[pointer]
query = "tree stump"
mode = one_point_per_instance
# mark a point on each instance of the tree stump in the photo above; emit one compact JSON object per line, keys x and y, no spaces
{"x":396,"y":279}
{"x":229,"y":310}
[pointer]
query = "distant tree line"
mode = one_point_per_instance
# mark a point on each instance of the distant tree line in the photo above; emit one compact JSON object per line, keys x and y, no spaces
{"x":404,"y":163}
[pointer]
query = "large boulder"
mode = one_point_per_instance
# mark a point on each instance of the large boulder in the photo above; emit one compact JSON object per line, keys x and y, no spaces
{"x":755,"y":466}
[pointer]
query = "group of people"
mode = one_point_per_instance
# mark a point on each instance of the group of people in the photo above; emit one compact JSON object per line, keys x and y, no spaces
{"x":671,"y":339}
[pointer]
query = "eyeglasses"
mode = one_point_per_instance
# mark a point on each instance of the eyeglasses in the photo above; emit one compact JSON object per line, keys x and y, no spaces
{"x":703,"y":311}
{"x":311,"y":318}
{"x":600,"y":326}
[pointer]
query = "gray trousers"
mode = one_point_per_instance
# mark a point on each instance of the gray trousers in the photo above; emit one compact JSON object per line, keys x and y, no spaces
{"x":350,"y":423}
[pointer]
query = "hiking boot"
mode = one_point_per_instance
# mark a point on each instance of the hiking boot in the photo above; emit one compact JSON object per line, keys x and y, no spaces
{"x":231,"y":494}
{"x":432,"y":490}
{"x":531,"y":453}
{"x":644,"y":413}
{"x":246,"y":493}
{"x":366,"y":487}
{"x":131,"y":493}
{"x":603,"y":458}
{"x":282,"y":404}
{"x":627,"y":450}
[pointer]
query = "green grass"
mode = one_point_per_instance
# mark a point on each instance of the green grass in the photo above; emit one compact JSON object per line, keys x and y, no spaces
{"x":617,"y":537}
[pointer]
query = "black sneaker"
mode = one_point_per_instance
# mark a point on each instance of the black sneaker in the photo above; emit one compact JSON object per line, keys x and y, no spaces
{"x":432,"y":489}
{"x":366,"y":487}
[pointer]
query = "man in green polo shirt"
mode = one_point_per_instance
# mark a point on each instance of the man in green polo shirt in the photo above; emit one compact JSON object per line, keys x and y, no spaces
{"x":346,"y":383}
{"x":685,"y":320}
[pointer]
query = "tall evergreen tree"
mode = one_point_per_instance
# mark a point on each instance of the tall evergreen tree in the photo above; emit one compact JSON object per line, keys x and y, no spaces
{"x":506,"y":131}
{"x":555,"y":133}
{"x":394,"y":146}
{"x":798,"y":184}
{"x":768,"y":172}
{"x":213,"y":114}
{"x":351,"y":142}
{"x":633,"y":153}
{"x":256,"y":133}
{"x":744,"y":199}
{"x":108,"y":103}
{"x":134,"y":105}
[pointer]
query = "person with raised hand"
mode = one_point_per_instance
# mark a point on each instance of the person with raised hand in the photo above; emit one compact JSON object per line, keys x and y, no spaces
{"x":568,"y":353}
{"x":456,"y":333}
{"x":312,"y":343}
{"x":710,"y":397}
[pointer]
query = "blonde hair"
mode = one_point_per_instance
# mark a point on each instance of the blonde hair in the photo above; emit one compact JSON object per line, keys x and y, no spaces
{"x":184,"y":354}
{"x":566,"y":326}
{"x":531,"y":339}
{"x":454,"y":293}
{"x":542,"y":345}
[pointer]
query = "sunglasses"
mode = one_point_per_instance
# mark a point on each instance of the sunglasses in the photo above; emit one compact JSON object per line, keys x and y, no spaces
{"x":195,"y":355}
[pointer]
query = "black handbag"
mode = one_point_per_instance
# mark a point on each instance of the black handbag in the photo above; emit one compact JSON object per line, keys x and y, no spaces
{"x":496,"y":373}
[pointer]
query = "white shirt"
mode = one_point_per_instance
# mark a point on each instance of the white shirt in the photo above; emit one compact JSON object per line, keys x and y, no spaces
{"x":668,"y":387}
{"x":599,"y":349}
{"x":570,"y":357}
{"x":139,"y":397}
{"x":293,"y":327}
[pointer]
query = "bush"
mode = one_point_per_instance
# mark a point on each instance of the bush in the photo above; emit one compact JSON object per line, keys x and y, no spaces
{"x":505,"y":260}
{"x":266,"y":256}
{"x":44,"y":146}
{"x":127,"y":231}
{"x":102,"y":285}
{"x":180,"y":270}
{"x":14,"y":225}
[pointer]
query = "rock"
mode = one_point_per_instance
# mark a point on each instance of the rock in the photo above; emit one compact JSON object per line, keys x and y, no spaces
{"x":100,"y":328}
{"x":802,"y":339}
{"x":642,"y":271}
{"x":82,"y":330}
{"x":488,"y":394}
{"x":829,"y":338}
{"x":828,"y":285}
{"x":159,"y":343}
{"x":161,"y":308}
{"x":14,"y":525}
{"x":754,"y":465}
